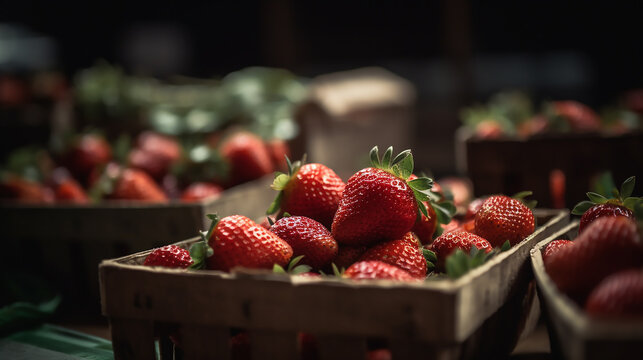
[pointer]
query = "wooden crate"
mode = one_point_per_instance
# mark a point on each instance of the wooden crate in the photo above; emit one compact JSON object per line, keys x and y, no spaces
{"x":573,"y":334}
{"x":477,"y":316}
{"x":510,"y":165}
{"x":65,"y":243}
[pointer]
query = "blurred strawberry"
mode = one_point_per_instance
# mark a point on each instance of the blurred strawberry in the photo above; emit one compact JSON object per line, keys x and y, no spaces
{"x":572,"y":114}
{"x":16,"y":188}
{"x":618,"y":295}
{"x":13,"y":91}
{"x":86,"y":154}
{"x":460,"y":188}
{"x":488,"y":129}
{"x":247,"y":156}
{"x":473,"y":208}
{"x":155,"y":154}
{"x":557,"y":188}
{"x":555,"y":246}
{"x":201,"y":190}
{"x":278,"y":150}
{"x":535,"y":125}
{"x":66,"y":188}
{"x":117,"y":183}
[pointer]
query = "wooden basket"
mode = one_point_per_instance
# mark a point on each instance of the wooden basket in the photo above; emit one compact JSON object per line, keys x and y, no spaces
{"x":573,"y":334}
{"x":65,"y":243}
{"x":478,"y":315}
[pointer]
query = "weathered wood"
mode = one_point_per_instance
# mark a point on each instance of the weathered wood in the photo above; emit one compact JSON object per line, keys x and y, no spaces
{"x":200,"y":342}
{"x":132,"y":339}
{"x":575,"y":335}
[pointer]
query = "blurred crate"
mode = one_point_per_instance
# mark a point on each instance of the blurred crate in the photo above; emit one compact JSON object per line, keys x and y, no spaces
{"x":573,"y":334}
{"x":479,"y":315}
{"x":349,"y":112}
{"x":511,"y":165}
{"x":65,"y":243}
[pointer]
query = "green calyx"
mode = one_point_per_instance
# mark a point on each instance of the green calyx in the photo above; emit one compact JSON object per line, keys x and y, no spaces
{"x":200,"y":250}
{"x":619,"y":197}
{"x":459,"y":263}
{"x":431,"y":259}
{"x":281,"y":180}
{"x":528,"y":203}
{"x":293,"y":268}
{"x":401,"y":166}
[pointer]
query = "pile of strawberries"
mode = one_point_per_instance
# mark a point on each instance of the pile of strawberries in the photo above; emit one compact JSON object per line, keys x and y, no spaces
{"x":157,"y":168}
{"x":602,"y":269}
{"x":383,"y":223}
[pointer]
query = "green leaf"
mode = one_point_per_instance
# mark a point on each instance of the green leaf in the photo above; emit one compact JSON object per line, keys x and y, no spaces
{"x":214,"y":220}
{"x":275,"y":205}
{"x":386,"y":159}
{"x":581,"y":207}
{"x":420,"y":195}
{"x":604,"y":184}
{"x":336,"y":271}
{"x":457,"y":264}
{"x":300,"y":269}
{"x":199,"y":252}
{"x":444,"y":212}
{"x":628,"y":187}
{"x":421,"y":183}
{"x":405,"y":166}
{"x":294,"y":262}
{"x":523,"y":194}
{"x":289,"y":163}
{"x":280,"y":182}
{"x":505,"y":246}
{"x":596,"y":198}
{"x":401,"y":156}
{"x":632,"y":202}
{"x":531,"y":203}
{"x":375,"y":157}
{"x":422,"y":208}
{"x":278,"y":269}
{"x":429,"y":255}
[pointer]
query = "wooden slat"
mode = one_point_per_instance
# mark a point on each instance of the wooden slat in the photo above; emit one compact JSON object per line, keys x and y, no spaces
{"x":341,"y":347}
{"x":403,"y":348}
{"x":267,"y":344}
{"x":132,"y":339}
{"x":201,"y":342}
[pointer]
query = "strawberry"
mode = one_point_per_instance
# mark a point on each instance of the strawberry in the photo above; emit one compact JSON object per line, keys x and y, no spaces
{"x":307,"y":237}
{"x":201,"y":190}
{"x":239,"y":241}
{"x":128,"y":184}
{"x":445,"y":244}
{"x":425,"y":227}
{"x":502,"y":218}
{"x":573,"y":115}
{"x":620,"y":294}
{"x":347,"y":255}
{"x":621,"y":204}
{"x":459,"y":188}
{"x":378,"y":204}
{"x":87,"y":153}
{"x":473,"y":208}
{"x":155,"y":154}
{"x":557,"y":188}
{"x":608,"y":245}
{"x":247,"y":157}
{"x":489,"y":129}
{"x":16,"y":188}
{"x":368,"y":270}
{"x":379,"y":354}
{"x":555,"y":246}
{"x":402,"y":253}
{"x":311,"y":190}
{"x":452,"y":225}
{"x":66,"y":188}
{"x":170,"y":256}
{"x":278,"y":150}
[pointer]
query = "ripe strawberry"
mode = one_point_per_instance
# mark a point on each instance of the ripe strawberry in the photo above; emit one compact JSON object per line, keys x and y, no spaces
{"x":247,"y":157}
{"x":448,"y":242}
{"x":170,"y":256}
{"x":489,"y":129}
{"x":311,"y":190}
{"x":557,"y":188}
{"x":502,"y":218}
{"x":25,"y":191}
{"x":278,"y":150}
{"x":87,"y":153}
{"x":155,"y":154}
{"x":378,"y":203}
{"x":130,"y":184}
{"x":574,"y":115}
{"x":347,"y":255}
{"x":401,"y":253}
{"x":469,"y":226}
{"x":307,"y":237}
{"x":555,"y":246}
{"x":66,"y":188}
{"x":366,"y":270}
{"x":609,"y":244}
{"x":452,"y":225}
{"x":622,"y":204}
{"x":473,"y":208}
{"x":239,"y":241}
{"x":201,"y":190}
{"x":620,"y":294}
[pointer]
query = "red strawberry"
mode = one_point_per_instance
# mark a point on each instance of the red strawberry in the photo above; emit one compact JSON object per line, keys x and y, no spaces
{"x":609,"y":244}
{"x":425,"y":227}
{"x":347,"y":255}
{"x":133,"y":184}
{"x":311,"y":190}
{"x":402,"y":253}
{"x":170,"y":256}
{"x":66,"y":188}
{"x":247,"y":157}
{"x":621,"y":204}
{"x":577,"y":116}
{"x":489,"y":129}
{"x":155,"y":154}
{"x":620,"y":294}
{"x":87,"y":153}
{"x":278,"y":150}
{"x":452,"y":225}
{"x":201,"y":190}
{"x":502,"y":218}
{"x":473,"y":208}
{"x":555,"y":246}
{"x":448,"y":242}
{"x":366,"y":270}
{"x":25,"y":191}
{"x":377,"y":203}
{"x":557,"y":188}
{"x":469,"y":226}
{"x":239,"y":241}
{"x":307,"y":237}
